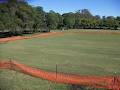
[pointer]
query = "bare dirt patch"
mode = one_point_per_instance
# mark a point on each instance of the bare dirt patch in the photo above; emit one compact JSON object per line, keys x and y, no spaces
{"x":14,"y":38}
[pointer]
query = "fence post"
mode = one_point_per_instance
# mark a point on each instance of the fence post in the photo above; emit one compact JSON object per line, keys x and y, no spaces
{"x":10,"y":63}
{"x":56,"y":71}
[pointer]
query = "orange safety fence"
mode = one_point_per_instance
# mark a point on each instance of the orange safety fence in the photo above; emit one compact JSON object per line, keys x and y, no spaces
{"x":108,"y":82}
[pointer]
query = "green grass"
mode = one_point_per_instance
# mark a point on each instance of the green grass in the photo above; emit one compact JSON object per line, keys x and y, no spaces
{"x":73,"y":52}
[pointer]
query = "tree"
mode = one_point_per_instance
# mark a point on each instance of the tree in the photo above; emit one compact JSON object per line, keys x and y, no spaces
{"x":52,"y":20}
{"x":111,"y":22}
{"x":97,"y":17}
{"x":85,"y":23}
{"x":69,"y":20}
{"x":85,"y":13}
{"x":60,"y":21}
{"x":39,"y":18}
{"x":118,"y":20}
{"x":18,"y":17}
{"x":77,"y":23}
{"x":2,"y":27}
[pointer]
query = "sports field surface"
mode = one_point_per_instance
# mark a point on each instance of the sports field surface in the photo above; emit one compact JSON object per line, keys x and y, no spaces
{"x":84,"y":52}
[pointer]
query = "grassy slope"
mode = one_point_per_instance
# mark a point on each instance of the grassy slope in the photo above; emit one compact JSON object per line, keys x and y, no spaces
{"x":88,"y":54}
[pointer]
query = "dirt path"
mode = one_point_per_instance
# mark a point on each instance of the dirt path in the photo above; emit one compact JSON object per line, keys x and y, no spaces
{"x":43,"y":35}
{"x":108,"y":82}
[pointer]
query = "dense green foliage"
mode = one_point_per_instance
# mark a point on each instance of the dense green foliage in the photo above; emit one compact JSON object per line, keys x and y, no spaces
{"x":85,"y":20}
{"x":18,"y":17}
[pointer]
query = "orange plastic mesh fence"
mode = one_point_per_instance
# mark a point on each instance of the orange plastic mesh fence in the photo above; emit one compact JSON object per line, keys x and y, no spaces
{"x":108,"y":82}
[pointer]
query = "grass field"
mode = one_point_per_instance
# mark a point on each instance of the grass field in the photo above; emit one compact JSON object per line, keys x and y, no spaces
{"x":76,"y":51}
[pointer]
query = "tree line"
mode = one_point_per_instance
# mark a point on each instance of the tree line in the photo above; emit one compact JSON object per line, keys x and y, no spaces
{"x":82,"y":19}
{"x":18,"y":17}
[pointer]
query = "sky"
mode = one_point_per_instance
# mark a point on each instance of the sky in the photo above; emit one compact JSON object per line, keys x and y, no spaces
{"x":96,"y":7}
